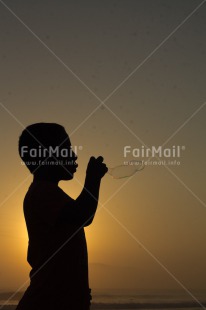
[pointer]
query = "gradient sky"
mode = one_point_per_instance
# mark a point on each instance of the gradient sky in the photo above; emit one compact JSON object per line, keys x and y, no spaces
{"x":158,"y":215}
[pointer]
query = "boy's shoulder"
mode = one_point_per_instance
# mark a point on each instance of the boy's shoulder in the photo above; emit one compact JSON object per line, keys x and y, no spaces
{"x":44,"y":194}
{"x":44,"y":202}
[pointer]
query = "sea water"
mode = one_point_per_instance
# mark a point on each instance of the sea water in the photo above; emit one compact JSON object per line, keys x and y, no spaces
{"x":125,"y":300}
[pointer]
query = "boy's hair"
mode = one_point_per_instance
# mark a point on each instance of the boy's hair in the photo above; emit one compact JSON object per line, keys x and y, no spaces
{"x":39,"y":136}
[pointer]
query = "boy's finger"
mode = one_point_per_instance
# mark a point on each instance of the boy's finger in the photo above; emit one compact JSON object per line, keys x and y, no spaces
{"x":100,"y":159}
{"x":92,"y":159}
{"x":105,"y":167}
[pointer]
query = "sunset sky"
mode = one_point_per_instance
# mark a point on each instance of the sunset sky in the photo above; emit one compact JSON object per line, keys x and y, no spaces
{"x":146,"y":60}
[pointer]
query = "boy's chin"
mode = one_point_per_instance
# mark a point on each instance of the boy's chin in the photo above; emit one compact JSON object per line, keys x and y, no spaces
{"x":68,"y":176}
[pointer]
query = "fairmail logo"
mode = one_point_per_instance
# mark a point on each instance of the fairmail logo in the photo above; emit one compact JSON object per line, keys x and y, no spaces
{"x":154,"y":151}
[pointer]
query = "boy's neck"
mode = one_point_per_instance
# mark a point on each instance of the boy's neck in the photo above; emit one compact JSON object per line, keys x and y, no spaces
{"x":44,"y":178}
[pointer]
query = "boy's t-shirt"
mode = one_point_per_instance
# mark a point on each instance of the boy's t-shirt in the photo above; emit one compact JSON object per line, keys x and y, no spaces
{"x":57,"y":250}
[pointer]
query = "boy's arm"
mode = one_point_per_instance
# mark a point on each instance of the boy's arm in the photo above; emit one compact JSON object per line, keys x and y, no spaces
{"x":86,"y":203}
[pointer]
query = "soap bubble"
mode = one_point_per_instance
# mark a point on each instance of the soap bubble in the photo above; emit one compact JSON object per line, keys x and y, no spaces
{"x":126,"y":170}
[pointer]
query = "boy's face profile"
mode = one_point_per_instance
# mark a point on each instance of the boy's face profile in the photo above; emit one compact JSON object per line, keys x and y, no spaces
{"x":62,"y":165}
{"x":67,"y":161}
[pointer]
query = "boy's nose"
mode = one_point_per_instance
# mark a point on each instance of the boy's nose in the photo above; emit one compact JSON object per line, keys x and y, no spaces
{"x":74,"y":160}
{"x":74,"y":156}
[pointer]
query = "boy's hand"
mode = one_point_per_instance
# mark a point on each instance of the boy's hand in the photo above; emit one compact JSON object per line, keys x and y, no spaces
{"x":96,"y":167}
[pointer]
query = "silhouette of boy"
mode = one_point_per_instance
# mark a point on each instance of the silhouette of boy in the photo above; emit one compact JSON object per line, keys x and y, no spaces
{"x":57,"y":250}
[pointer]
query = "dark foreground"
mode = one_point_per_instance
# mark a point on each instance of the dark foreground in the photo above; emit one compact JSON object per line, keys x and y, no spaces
{"x":147,"y":306}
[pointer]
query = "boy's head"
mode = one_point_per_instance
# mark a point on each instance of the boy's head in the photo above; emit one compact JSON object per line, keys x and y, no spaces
{"x":46,"y":150}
